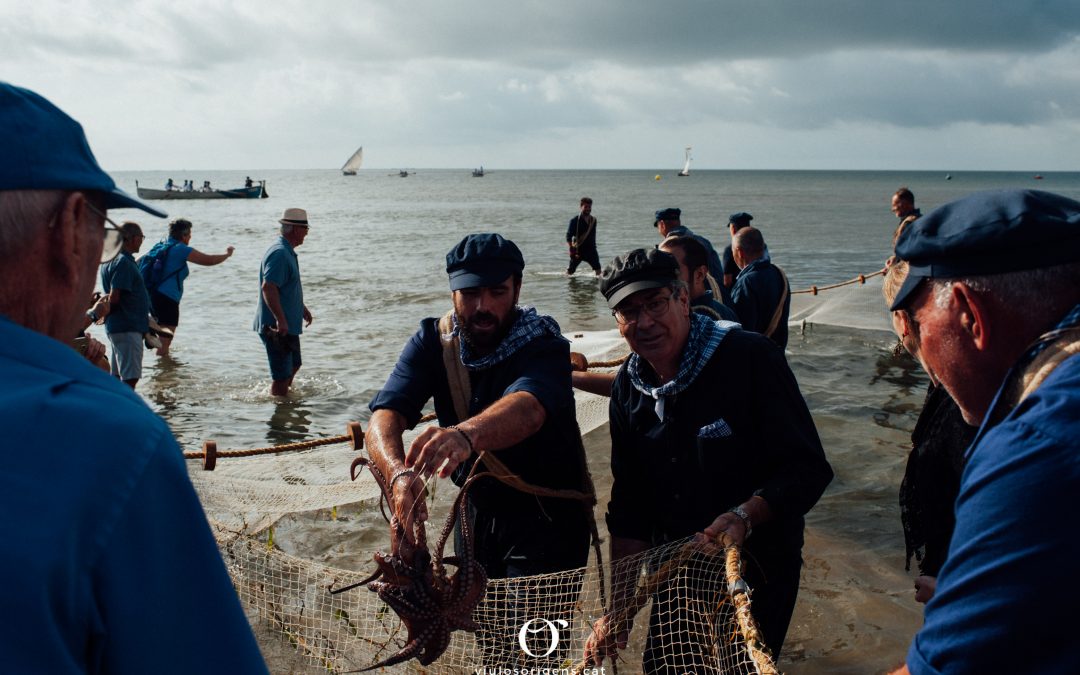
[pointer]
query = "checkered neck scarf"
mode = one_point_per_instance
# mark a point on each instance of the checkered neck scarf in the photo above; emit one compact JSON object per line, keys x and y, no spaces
{"x":528,"y":326}
{"x":705,"y":337}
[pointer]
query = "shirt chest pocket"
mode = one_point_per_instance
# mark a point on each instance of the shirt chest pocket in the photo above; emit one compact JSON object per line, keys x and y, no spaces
{"x":716,"y":429}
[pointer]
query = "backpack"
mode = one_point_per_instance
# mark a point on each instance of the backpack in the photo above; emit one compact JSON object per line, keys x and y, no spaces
{"x":152,"y":265}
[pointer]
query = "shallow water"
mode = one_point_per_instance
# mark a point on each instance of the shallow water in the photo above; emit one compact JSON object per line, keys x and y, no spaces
{"x":372,"y":267}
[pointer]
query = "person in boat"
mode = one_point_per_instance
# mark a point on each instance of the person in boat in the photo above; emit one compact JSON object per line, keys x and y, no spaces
{"x":98,"y":507}
{"x":206,"y":187}
{"x":688,"y":456}
{"x":694,"y":271}
{"x":761,"y":295}
{"x":169,"y":185}
{"x":932,"y":476}
{"x":281,"y":305}
{"x":668,"y":223}
{"x":248,"y":182}
{"x":189,"y":185}
{"x":993,"y":297}
{"x":520,"y":410}
{"x":581,"y":238}
{"x":166,"y":291}
{"x":736,"y":222}
{"x":128,"y":318}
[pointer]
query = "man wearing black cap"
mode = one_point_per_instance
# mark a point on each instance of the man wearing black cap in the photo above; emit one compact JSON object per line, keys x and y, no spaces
{"x":500,"y":377}
{"x":690,"y":457}
{"x":668,"y":223}
{"x":113,"y":566}
{"x":736,"y":222}
{"x":992,"y":299}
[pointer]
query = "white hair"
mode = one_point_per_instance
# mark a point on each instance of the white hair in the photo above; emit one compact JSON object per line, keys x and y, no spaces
{"x":286,"y":228}
{"x":22,"y":213}
{"x":1036,"y":296}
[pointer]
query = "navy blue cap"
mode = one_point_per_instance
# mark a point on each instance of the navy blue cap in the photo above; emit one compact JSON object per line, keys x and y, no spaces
{"x":637,"y":270}
{"x":989,"y":233}
{"x":667,"y":214}
{"x":482,"y":260}
{"x":742,"y":219}
{"x":44,"y":149}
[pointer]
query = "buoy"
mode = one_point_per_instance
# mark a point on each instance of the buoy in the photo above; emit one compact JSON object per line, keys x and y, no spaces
{"x":657,"y":177}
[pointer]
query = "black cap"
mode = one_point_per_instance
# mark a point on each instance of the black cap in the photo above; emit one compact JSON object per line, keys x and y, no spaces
{"x":740,"y":219}
{"x":989,"y":233}
{"x":667,"y":214}
{"x":482,"y":260}
{"x":637,"y":270}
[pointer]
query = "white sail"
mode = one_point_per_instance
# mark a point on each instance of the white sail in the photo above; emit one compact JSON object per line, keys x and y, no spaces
{"x":686,"y":167}
{"x":354,"y":162}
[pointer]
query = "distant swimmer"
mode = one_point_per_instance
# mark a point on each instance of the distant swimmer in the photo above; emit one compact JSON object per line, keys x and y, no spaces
{"x":581,"y":238}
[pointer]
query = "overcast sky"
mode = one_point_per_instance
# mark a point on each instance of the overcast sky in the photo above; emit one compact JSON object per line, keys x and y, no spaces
{"x":799,"y":84}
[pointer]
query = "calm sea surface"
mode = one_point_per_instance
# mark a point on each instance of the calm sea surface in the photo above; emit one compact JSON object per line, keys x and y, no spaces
{"x":373,"y":266}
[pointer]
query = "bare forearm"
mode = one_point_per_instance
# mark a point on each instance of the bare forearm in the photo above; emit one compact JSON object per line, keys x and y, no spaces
{"x":624,"y":582}
{"x":272,"y":298}
{"x":383,"y":441}
{"x":506,"y":422}
{"x":594,"y":383}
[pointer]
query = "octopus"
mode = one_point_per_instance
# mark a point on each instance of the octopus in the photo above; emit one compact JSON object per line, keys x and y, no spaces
{"x":431,"y":603}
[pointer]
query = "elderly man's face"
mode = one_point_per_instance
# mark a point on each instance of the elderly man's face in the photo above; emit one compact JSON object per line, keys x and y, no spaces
{"x":486,"y":313}
{"x":659,"y":335}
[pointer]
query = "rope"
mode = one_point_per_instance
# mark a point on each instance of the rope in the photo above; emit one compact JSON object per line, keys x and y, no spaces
{"x":861,"y":279}
{"x":288,"y":447}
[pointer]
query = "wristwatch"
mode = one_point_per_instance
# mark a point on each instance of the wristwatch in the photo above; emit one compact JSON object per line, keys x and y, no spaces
{"x":741,"y":513}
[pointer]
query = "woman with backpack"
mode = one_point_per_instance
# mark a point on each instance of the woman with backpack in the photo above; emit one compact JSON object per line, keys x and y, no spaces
{"x":164,"y":269}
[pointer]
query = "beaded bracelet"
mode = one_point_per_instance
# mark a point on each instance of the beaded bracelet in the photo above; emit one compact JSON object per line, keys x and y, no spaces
{"x":399,"y":474}
{"x":465,"y":436}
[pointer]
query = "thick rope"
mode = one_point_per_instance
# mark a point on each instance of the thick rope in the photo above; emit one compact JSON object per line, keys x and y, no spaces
{"x":272,"y":450}
{"x":861,"y":279}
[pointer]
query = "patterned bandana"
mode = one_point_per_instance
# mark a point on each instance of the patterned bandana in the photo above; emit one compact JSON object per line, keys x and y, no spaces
{"x":528,"y":326}
{"x":705,"y":337}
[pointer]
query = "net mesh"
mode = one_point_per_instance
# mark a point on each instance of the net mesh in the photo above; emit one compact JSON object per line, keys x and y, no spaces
{"x":691,"y":612}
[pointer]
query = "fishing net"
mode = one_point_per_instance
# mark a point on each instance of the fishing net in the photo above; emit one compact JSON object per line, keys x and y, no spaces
{"x":690,"y":613}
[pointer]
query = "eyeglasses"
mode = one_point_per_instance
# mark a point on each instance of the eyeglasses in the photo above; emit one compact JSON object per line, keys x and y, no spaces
{"x":654,"y":308}
{"x":114,"y":238}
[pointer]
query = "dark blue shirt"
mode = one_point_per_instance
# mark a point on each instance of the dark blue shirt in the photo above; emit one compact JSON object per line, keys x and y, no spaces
{"x":551,"y":457}
{"x":584,"y":242}
{"x":130,"y":314}
{"x":707,"y":301}
{"x":281,"y":267}
{"x":1010,"y":578}
{"x":716,"y":269}
{"x":112,"y":567}
{"x":756,"y":295}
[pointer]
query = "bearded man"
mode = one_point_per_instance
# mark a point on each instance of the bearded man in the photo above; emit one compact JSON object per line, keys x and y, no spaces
{"x":500,"y":377}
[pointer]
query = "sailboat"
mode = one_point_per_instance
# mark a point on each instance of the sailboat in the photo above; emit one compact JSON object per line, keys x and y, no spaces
{"x":686,"y":167}
{"x":354,"y":162}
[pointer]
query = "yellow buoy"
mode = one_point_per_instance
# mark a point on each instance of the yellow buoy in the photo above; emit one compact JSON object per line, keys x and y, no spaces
{"x":657,"y":177}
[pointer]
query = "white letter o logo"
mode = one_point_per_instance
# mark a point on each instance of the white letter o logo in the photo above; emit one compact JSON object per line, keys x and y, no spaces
{"x":547,"y":625}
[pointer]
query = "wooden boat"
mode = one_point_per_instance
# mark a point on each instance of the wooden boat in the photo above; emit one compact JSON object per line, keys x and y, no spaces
{"x":350,"y":167}
{"x":686,"y":168}
{"x":254,"y":192}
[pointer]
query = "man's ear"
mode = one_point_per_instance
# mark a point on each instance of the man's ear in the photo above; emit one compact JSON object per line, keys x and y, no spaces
{"x":69,"y":240}
{"x":972,"y":314}
{"x":699,"y":275}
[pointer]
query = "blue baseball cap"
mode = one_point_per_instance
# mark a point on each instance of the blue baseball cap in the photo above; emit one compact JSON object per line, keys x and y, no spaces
{"x":989,"y":233}
{"x":667,"y":214}
{"x":741,"y":219}
{"x":45,"y":149}
{"x":483,"y":260}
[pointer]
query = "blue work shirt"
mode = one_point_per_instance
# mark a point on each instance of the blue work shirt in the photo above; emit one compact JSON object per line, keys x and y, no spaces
{"x":175,"y":270}
{"x":707,"y":301}
{"x":1007,"y":595}
{"x":756,"y":295}
{"x":112,"y":567}
{"x":281,"y":267}
{"x":129,"y":315}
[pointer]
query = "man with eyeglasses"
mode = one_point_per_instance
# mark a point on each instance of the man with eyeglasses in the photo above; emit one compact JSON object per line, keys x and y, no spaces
{"x":113,"y":567}
{"x":128,"y":319}
{"x":689,"y":456}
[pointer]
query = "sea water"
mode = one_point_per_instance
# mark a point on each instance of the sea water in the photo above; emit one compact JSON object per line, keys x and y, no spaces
{"x":373,"y":266}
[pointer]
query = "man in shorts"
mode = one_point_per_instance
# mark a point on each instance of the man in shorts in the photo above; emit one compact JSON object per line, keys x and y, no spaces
{"x":128,"y":319}
{"x":281,"y":302}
